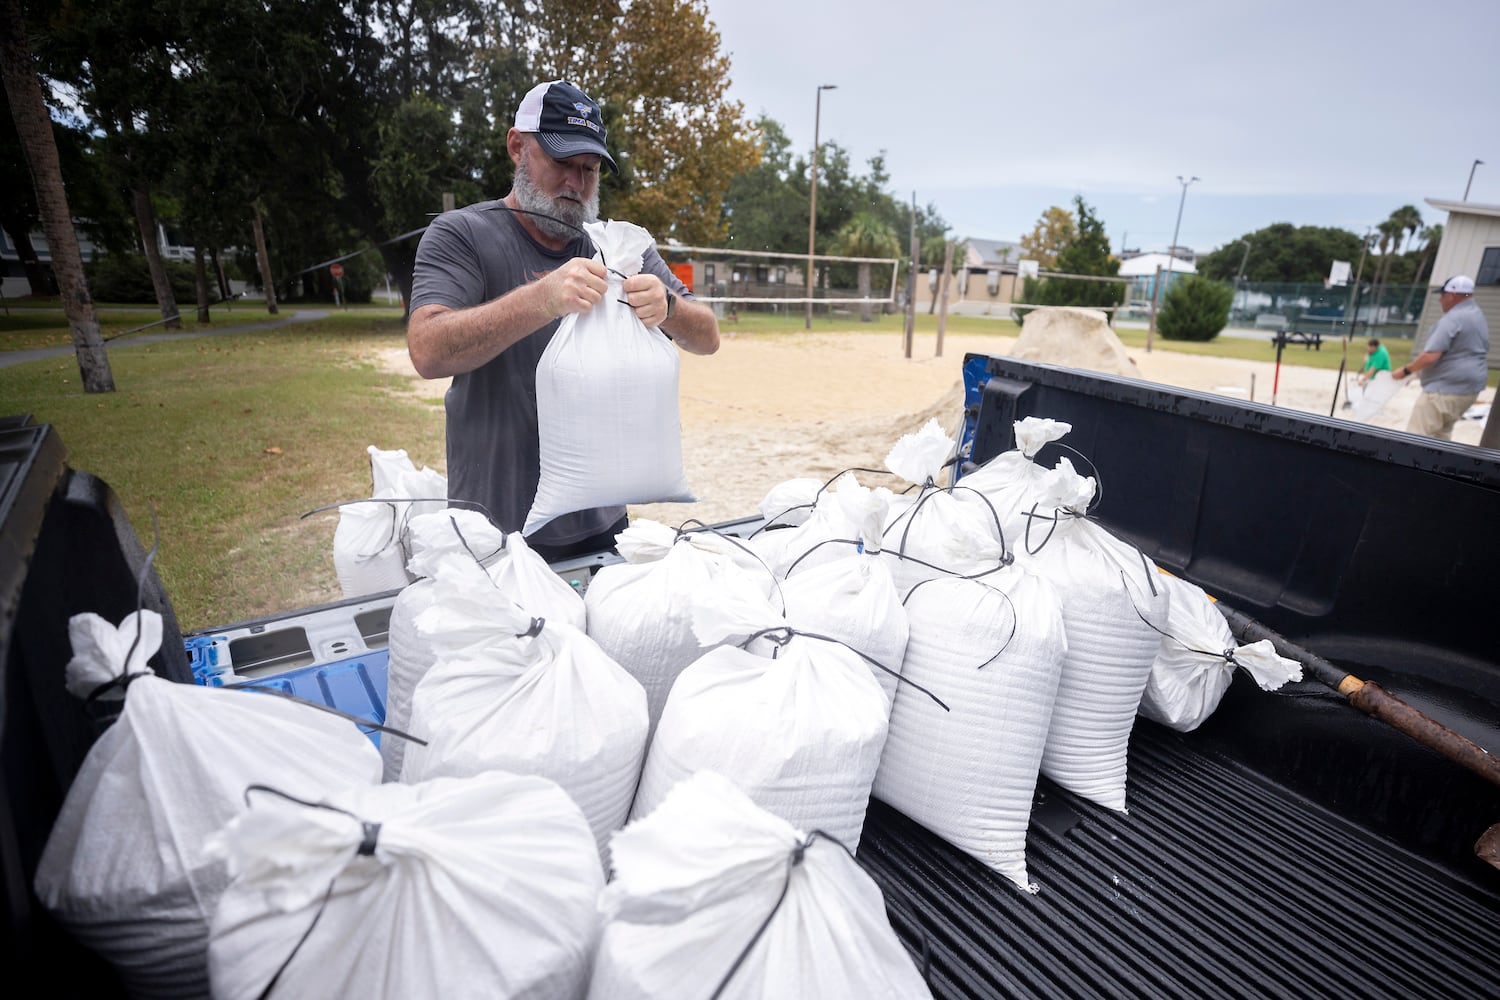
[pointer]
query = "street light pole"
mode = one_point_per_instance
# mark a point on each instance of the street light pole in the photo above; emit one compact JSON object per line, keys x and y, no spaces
{"x":1471,"y":179}
{"x":812,"y":198}
{"x":1244,"y":259}
{"x":1171,"y":256}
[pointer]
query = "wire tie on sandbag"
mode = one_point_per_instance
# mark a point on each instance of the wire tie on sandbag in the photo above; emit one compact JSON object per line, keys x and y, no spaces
{"x":794,"y":858}
{"x":782,"y":635}
{"x":1098,"y":479}
{"x":535,"y":629}
{"x":346,"y":716}
{"x":369,"y":833}
{"x":1227,"y":655}
{"x":1015,"y":616}
{"x":121,"y":681}
{"x":910,"y":515}
{"x":767,"y":524}
{"x":124,"y":680}
{"x":683,"y":532}
{"x":857,"y":543}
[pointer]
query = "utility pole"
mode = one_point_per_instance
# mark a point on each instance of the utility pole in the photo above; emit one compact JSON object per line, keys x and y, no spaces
{"x":812,"y":197}
{"x":1171,"y":257}
{"x":944,"y":284}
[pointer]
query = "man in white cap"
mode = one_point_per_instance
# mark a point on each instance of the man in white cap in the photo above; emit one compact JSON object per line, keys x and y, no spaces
{"x":491,"y":284}
{"x":1454,"y":362}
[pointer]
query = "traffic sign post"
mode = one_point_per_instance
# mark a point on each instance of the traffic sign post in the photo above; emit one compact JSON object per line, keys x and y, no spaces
{"x":337,"y":270}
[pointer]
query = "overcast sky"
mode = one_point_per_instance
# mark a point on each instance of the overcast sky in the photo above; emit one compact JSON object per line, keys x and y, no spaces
{"x":1316,"y":112}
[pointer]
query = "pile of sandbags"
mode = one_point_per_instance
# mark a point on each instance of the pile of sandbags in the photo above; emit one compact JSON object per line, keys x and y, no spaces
{"x":127,"y":867}
{"x":518,"y":574}
{"x":512,"y":692}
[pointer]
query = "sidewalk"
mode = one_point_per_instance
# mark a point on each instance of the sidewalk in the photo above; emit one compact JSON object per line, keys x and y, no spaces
{"x":10,"y":358}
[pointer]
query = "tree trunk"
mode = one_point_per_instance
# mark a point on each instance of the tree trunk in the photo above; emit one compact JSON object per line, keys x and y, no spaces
{"x":400,"y":260}
{"x":865,"y":315}
{"x":224,"y":292}
{"x":200,"y":279}
{"x":145,"y":219}
{"x":34,"y":127}
{"x":39,"y":275}
{"x":264,"y":259}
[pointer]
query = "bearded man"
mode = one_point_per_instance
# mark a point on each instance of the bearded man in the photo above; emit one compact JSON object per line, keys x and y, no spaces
{"x":491,"y":284}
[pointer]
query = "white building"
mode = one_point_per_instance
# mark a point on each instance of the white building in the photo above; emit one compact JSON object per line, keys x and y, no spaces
{"x":1471,"y":245}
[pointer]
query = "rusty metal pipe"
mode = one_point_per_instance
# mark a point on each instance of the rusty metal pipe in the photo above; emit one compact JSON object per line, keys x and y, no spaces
{"x":1372,"y":699}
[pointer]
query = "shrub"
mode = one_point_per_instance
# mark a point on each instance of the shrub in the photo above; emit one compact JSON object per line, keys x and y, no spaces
{"x":127,"y":278}
{"x":1195,"y":309}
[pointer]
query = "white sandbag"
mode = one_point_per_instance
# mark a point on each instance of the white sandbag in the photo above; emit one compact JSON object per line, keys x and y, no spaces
{"x":552,"y":703}
{"x":790,"y":502}
{"x":695,"y":880}
{"x":847,"y":512}
{"x":367,"y":554}
{"x":518,"y":573}
{"x":1114,"y":610}
{"x":938,"y":534}
{"x":606,"y":399}
{"x":475,"y":887}
{"x":1196,"y":658}
{"x":995,"y":651}
{"x":641,"y":613}
{"x":854,"y":600}
{"x":125,"y":869}
{"x":371,"y":543}
{"x":1366,"y":401}
{"x":1010,"y":482}
{"x":798,"y":726}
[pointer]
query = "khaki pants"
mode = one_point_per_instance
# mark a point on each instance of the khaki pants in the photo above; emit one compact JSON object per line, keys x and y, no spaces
{"x":1435,"y":413}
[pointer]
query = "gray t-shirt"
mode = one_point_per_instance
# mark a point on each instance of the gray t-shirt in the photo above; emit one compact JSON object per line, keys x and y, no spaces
{"x":467,"y":258}
{"x":1464,"y":338}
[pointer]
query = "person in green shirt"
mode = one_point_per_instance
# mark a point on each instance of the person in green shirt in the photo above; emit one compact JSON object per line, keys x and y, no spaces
{"x":1377,"y":359}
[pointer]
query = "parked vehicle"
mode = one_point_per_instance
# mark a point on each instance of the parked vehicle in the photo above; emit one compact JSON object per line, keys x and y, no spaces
{"x":1292,"y":846}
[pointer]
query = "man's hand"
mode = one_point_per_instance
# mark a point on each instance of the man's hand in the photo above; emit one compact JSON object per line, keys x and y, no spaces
{"x":576,"y":287}
{"x":648,"y":297}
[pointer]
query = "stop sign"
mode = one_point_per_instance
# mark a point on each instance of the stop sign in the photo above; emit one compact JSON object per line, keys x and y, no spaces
{"x":337,"y":270}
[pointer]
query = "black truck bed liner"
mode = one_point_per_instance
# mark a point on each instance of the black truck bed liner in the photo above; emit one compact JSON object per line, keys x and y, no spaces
{"x":1218,"y":883}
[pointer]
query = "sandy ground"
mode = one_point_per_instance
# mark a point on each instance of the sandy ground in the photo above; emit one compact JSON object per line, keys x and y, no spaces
{"x":769,"y":408}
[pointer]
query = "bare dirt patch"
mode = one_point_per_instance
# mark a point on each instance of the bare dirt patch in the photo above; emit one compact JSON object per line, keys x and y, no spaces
{"x":768,"y":408}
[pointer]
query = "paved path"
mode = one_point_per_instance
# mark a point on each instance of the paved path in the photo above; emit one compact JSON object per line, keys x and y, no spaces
{"x":9,"y":358}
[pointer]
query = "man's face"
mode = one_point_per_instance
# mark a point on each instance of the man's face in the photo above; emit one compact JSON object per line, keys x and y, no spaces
{"x":1450,"y":299}
{"x":566,"y":190}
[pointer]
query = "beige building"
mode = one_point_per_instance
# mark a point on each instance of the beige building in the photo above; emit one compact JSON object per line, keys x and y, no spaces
{"x":984,"y":281}
{"x":1471,"y":245}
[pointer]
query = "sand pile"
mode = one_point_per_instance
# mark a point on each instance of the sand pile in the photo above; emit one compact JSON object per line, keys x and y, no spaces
{"x":1073,"y":338}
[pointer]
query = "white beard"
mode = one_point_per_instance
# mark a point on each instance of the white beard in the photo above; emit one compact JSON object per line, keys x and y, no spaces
{"x":560,"y":217}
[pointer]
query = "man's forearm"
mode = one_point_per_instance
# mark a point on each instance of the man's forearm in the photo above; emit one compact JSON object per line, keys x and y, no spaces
{"x":444,"y":341}
{"x":693,"y":327}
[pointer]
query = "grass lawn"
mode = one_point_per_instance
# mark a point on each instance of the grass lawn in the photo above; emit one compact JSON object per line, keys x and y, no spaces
{"x":230,"y":438}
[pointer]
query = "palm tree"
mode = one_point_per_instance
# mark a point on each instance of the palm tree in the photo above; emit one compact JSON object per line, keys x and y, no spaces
{"x":867,"y":235}
{"x":34,"y":126}
{"x":1430,"y":236}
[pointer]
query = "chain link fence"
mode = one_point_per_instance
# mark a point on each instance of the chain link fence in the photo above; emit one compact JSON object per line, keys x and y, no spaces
{"x":1389,"y":311}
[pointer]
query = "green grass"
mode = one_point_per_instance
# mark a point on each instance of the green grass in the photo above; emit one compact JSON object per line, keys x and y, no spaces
{"x":31,"y":327}
{"x":230,"y":438}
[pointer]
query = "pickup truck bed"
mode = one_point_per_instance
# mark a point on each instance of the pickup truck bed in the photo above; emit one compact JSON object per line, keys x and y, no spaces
{"x":1291,"y":846}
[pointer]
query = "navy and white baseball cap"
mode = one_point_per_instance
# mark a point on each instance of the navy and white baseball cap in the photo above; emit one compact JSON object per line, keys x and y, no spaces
{"x":565,"y":120}
{"x":1460,"y":284}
